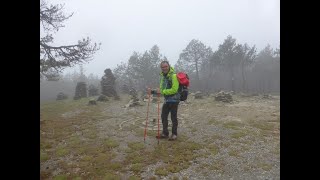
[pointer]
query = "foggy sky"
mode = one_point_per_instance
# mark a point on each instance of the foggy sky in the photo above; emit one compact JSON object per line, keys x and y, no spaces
{"x":125,"y":26}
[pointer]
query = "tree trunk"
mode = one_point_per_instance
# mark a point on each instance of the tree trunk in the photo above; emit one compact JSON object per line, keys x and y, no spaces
{"x":232,"y":80}
{"x":198,"y":84}
{"x":210,"y":74}
{"x":197,"y":71}
{"x":244,"y":89}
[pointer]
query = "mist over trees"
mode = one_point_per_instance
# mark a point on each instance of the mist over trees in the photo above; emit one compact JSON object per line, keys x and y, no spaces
{"x":232,"y":67}
{"x":67,"y":84}
{"x":53,"y":59}
{"x":141,"y":70}
{"x":191,"y":59}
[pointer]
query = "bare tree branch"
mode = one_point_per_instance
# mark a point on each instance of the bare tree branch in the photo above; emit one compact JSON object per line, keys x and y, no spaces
{"x":53,"y":59}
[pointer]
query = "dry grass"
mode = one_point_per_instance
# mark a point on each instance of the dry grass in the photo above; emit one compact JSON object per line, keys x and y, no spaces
{"x":72,"y":136}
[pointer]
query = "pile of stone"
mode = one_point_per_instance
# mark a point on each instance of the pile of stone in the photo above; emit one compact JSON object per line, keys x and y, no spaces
{"x":102,"y":98}
{"x":155,"y":99}
{"x":125,"y":89}
{"x":223,"y":96}
{"x":92,"y":102}
{"x":93,"y":91}
{"x":81,"y":91}
{"x":133,"y":102}
{"x":198,"y":95}
{"x":108,"y":85}
{"x":133,"y":93}
{"x":61,"y":96}
{"x":241,"y":94}
{"x":146,"y":98}
{"x":266,"y":96}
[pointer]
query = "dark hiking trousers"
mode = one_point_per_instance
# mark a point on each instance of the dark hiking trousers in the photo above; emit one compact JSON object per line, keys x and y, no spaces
{"x":173,"y":109}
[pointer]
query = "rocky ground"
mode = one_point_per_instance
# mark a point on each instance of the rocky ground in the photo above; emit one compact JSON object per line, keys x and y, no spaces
{"x":216,"y":140}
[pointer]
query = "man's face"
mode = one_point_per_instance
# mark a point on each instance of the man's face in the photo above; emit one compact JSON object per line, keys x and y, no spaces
{"x":165,"y":68}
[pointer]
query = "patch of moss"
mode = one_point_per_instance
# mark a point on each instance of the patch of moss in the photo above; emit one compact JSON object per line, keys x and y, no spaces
{"x":45,"y":145}
{"x":218,"y":166}
{"x":110,"y":143}
{"x":91,"y":134}
{"x":60,"y":177}
{"x":214,"y":150}
{"x":233,"y":153}
{"x":114,"y":166}
{"x":233,"y":125}
{"x":136,"y":167}
{"x":175,"y":178}
{"x":134,"y":178}
{"x":193,"y":129}
{"x":136,"y":145}
{"x":265,"y":166}
{"x":262,"y":125}
{"x":43,"y":156}
{"x":111,"y":176}
{"x":103,"y":158}
{"x":87,"y":158}
{"x":74,"y":142}
{"x":161,"y":171}
{"x":173,"y":168}
{"x":61,"y":151}
{"x":211,"y":121}
{"x":134,"y":158}
{"x":238,"y":134}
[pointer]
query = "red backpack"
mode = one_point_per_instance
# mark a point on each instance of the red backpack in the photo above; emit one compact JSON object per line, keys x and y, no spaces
{"x":184,"y":83}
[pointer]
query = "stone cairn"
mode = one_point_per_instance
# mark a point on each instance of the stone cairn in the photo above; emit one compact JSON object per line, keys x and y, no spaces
{"x":134,"y":94}
{"x":102,"y":98}
{"x":266,"y":96}
{"x":81,"y":90}
{"x":144,"y":95}
{"x":198,"y":95}
{"x":125,"y":89}
{"x":92,"y":102}
{"x":108,"y":85}
{"x":93,"y":91}
{"x":134,"y":101}
{"x":61,"y":96}
{"x":223,"y":96}
{"x":154,"y":98}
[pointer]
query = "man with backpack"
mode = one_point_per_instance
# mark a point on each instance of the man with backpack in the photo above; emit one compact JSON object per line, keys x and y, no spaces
{"x":169,"y":86}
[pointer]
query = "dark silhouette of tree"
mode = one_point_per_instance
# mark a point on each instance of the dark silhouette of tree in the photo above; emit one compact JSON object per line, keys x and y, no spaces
{"x":230,"y":54}
{"x":208,"y":68}
{"x":53,"y":59}
{"x":248,"y":57}
{"x":267,"y":69}
{"x":143,"y":70}
{"x":192,"y":57}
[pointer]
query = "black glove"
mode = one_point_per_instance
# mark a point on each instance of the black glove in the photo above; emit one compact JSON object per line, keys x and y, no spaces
{"x":153,"y":91}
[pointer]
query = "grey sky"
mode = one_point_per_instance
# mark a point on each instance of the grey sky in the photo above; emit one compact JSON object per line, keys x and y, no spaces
{"x":125,"y":26}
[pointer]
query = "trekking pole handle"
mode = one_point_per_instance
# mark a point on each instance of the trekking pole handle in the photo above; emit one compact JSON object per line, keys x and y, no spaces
{"x":148,"y":91}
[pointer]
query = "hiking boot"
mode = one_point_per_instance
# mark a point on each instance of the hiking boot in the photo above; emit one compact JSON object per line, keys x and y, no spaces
{"x":162,"y":136}
{"x":173,"y":137}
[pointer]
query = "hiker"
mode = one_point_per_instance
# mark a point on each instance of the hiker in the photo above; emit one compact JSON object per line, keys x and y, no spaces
{"x":169,"y":89}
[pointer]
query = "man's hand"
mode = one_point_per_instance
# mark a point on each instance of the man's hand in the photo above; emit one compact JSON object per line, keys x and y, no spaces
{"x":153,"y":91}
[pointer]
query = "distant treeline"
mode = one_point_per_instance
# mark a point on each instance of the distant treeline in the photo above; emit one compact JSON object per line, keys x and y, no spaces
{"x":233,"y":66}
{"x":236,"y":67}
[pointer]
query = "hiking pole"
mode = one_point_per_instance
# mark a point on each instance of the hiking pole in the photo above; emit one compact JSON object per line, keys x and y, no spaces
{"x":145,"y":129}
{"x":158,"y":115}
